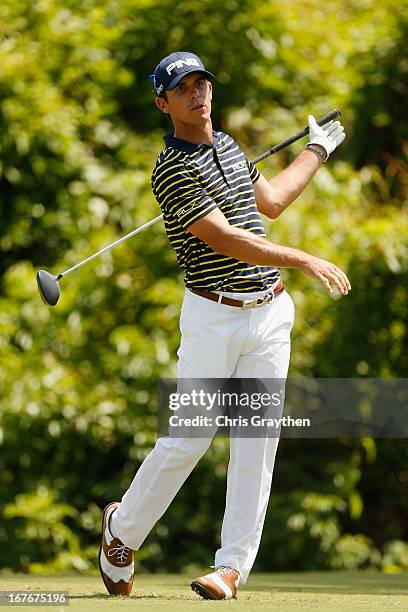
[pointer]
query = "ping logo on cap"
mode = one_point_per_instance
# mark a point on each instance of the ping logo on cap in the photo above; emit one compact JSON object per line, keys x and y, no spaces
{"x":189,"y":61}
{"x":172,"y":68}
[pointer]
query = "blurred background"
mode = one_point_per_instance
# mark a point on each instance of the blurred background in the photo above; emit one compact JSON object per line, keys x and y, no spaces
{"x":79,"y":137}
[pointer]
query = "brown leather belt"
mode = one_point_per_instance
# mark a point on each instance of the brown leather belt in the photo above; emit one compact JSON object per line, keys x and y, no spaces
{"x":244,"y":304}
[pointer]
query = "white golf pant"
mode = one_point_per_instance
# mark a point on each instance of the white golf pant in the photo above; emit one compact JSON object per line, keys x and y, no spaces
{"x":218,"y":341}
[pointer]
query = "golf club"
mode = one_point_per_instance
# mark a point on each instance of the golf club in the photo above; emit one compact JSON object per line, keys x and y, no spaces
{"x":48,"y":284}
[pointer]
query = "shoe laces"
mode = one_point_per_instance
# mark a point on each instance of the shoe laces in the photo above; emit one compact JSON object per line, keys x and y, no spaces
{"x":121,"y":551}
{"x":224,"y":570}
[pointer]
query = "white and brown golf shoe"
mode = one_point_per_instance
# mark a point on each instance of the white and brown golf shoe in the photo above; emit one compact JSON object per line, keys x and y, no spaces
{"x":220,"y":584}
{"x":115,"y":559}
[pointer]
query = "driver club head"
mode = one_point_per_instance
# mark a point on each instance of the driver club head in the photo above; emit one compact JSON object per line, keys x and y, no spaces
{"x":48,"y":287}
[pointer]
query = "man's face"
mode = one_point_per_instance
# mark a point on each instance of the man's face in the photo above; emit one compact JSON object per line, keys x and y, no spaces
{"x":190,"y":101}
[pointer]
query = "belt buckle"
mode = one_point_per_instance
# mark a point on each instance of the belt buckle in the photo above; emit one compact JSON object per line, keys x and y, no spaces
{"x":259,"y":302}
{"x":249,"y":304}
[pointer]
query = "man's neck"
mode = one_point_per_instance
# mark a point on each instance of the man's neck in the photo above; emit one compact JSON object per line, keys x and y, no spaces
{"x":195,"y":134}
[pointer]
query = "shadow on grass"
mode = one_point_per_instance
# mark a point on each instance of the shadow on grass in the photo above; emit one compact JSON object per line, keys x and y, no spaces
{"x":133,"y":597}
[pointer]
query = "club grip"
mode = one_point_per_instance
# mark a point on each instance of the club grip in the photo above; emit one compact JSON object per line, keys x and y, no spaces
{"x":329,"y":117}
{"x":285,"y":143}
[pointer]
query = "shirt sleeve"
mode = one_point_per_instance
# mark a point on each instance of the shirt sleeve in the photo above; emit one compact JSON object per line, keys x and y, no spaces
{"x":180,"y":194}
{"x":253,"y":171}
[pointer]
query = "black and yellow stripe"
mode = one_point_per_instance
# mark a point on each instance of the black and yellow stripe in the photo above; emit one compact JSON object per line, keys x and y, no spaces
{"x":188,"y":182}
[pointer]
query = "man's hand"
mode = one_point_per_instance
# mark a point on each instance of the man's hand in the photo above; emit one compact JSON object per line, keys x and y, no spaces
{"x":328,"y":136}
{"x":326,"y":273}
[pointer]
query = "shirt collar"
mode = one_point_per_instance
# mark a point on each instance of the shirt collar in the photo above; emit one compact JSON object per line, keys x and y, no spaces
{"x":185,"y":145}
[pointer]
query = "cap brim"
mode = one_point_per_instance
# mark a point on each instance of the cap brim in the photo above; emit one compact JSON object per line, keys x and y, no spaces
{"x":178,"y":78}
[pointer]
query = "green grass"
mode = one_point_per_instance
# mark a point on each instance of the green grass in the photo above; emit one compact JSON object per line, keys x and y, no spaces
{"x":354,"y":591}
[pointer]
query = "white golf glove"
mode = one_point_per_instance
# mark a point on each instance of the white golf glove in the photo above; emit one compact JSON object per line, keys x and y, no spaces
{"x":328,"y":136}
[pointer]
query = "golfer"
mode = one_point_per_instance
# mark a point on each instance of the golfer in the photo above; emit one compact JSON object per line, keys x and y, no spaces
{"x":236,"y":316}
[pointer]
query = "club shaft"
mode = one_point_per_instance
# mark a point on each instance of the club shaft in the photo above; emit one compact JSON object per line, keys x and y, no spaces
{"x":110,"y":246}
{"x":285,"y":143}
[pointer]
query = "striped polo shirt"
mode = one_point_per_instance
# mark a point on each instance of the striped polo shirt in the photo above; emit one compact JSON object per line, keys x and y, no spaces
{"x":189,"y":181}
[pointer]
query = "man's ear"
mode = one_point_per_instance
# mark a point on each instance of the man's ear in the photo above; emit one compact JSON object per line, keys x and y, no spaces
{"x":162,"y":104}
{"x":211,"y":89}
